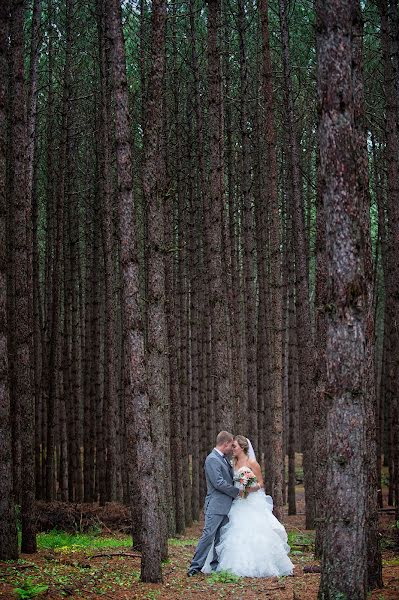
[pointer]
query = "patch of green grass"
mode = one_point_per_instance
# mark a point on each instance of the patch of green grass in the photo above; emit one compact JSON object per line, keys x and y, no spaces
{"x":388,"y":544}
{"x":296,"y":538}
{"x":223,"y":577}
{"x":393,"y":562}
{"x":62,"y":541}
{"x":29,"y":589}
{"x":182,"y":542}
{"x":152,"y":595}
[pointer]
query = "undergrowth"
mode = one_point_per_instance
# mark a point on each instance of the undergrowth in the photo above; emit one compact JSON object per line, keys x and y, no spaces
{"x":61,"y":540}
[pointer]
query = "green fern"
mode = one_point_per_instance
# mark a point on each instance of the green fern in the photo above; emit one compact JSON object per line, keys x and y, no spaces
{"x":30,"y":589}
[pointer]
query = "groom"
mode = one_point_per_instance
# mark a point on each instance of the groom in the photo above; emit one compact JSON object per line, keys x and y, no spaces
{"x":221,"y":492}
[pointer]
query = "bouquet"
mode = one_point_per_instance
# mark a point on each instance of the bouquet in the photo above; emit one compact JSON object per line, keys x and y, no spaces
{"x":246,"y":478}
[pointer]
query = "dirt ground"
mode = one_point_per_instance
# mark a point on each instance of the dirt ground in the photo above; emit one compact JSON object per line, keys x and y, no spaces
{"x":82,"y":574}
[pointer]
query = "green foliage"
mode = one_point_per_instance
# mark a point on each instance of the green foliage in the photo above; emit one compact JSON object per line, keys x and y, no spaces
{"x":62,"y":541}
{"x":182,"y":542}
{"x":18,"y":517}
{"x":223,"y":577}
{"x":152,"y":595}
{"x":393,"y":562}
{"x":30,"y":589}
{"x":296,"y":538}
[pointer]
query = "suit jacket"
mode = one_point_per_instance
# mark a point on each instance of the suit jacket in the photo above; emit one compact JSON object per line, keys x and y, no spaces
{"x":220,"y":485}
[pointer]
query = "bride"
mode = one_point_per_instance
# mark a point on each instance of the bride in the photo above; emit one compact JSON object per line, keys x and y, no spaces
{"x":253,"y":543}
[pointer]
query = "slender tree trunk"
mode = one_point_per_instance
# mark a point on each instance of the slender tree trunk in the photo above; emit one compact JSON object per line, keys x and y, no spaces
{"x":32,"y":193}
{"x":249,"y":257}
{"x":56,"y":278}
{"x":374,"y":572}
{"x":23,"y":292}
{"x":320,"y":374}
{"x":392,"y":272}
{"x":302,"y":292}
{"x":238,"y":345}
{"x":276,"y":304}
{"x":137,"y":403}
{"x":8,"y":529}
{"x":177,"y":457}
{"x":110,"y":374}
{"x":49,"y":240}
{"x":154,"y":196}
{"x":217,"y":291}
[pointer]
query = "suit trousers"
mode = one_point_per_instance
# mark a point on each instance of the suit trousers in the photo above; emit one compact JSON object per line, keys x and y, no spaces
{"x":211,"y":533}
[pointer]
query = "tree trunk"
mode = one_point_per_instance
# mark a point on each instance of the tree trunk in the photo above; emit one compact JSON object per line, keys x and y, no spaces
{"x":56,"y":278}
{"x":8,"y":529}
{"x":249,"y":257}
{"x":276,"y":304}
{"x":374,"y":571}
{"x":392,"y":274}
{"x":107,"y":221}
{"x":348,"y":353}
{"x":23,"y":292}
{"x":137,"y":403}
{"x":224,"y":413}
{"x":154,"y":197}
{"x":302,"y":292}
{"x":32,"y":192}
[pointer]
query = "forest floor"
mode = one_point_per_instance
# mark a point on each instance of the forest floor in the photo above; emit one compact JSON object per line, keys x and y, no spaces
{"x":98,"y":565}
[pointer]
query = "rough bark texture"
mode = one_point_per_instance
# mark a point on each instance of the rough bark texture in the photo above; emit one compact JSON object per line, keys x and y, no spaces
{"x":8,"y":529}
{"x":224,"y":413}
{"x":392,"y":264}
{"x":107,"y":221}
{"x":374,"y":564}
{"x":320,"y":397}
{"x":348,"y":353}
{"x":154,"y":197}
{"x":248,"y":236}
{"x":305,"y":357}
{"x":21,"y":219}
{"x":137,"y":405}
{"x":54,"y":307}
{"x":276,"y":364}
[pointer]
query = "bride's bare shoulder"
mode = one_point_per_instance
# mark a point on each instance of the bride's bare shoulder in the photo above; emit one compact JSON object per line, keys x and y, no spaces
{"x":252,"y":462}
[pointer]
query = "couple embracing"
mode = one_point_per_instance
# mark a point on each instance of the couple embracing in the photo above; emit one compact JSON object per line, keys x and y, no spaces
{"x":241,"y":534}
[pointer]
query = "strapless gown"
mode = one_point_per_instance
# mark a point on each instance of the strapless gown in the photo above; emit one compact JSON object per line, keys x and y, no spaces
{"x":253,"y":543}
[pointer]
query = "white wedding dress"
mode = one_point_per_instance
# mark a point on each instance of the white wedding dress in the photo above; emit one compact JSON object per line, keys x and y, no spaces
{"x":253,"y":543}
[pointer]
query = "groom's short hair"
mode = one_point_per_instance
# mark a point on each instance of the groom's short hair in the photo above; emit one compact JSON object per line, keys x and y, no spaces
{"x":223,"y":437}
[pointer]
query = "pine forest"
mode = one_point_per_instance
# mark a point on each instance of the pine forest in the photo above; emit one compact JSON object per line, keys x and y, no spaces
{"x":199,"y":210}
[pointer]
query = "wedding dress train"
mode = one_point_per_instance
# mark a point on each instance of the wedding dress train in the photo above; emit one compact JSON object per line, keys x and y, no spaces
{"x":253,"y":543}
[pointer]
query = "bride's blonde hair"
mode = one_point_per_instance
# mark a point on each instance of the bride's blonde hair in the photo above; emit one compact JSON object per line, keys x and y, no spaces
{"x":242,"y":442}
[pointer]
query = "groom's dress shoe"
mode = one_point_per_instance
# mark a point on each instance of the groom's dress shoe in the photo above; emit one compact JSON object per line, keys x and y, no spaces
{"x":192,"y":573}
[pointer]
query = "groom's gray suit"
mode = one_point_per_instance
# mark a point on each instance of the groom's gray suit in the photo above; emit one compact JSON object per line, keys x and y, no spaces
{"x":221,"y":492}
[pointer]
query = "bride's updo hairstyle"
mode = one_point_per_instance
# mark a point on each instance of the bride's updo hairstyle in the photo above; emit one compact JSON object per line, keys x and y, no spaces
{"x":242,"y":442}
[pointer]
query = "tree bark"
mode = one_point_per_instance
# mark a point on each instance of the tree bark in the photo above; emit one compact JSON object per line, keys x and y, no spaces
{"x":154,"y":197}
{"x":392,"y":274}
{"x":276,"y":340}
{"x":302,"y":291}
{"x":137,"y":405}
{"x":348,"y":353}
{"x":224,"y":413}
{"x":8,"y":528}
{"x":107,"y":223}
{"x":374,"y":571}
{"x":23,"y":292}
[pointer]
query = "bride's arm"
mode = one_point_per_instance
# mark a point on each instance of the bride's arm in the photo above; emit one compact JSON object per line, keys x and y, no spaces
{"x":256,"y":471}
